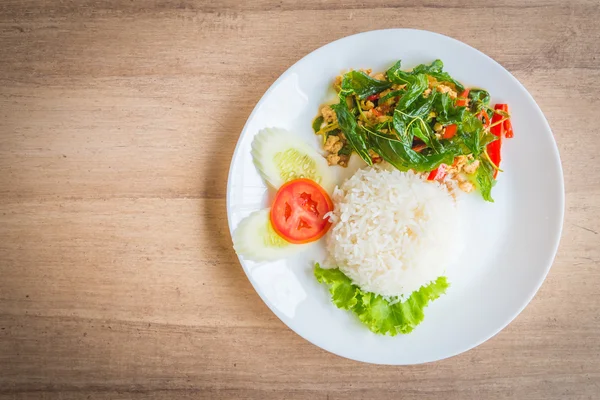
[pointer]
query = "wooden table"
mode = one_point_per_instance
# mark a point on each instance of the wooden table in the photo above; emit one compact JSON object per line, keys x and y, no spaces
{"x":117,"y":278}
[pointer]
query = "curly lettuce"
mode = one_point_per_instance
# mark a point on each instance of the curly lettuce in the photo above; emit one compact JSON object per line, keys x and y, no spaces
{"x":380,"y":315}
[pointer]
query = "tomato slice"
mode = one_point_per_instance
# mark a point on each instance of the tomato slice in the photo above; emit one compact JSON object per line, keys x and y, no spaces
{"x":298,"y":211}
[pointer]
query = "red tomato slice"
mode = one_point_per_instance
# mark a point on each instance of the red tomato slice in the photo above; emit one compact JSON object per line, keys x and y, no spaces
{"x":298,"y":211}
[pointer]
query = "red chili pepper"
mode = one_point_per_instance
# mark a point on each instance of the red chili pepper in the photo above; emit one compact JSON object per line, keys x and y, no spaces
{"x":501,"y":107}
{"x":373,"y":97}
{"x":437,"y":174}
{"x":419,"y":147}
{"x":462,"y":100}
{"x":376,"y":112}
{"x":508,"y":132}
{"x":508,"y":129}
{"x":450,"y":131}
{"x":484,"y":115}
{"x":493,"y":149}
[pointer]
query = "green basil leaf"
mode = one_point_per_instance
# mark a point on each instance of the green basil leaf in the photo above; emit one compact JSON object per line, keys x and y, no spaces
{"x":354,"y":136}
{"x":400,"y":123}
{"x":479,"y":96}
{"x":397,"y":76}
{"x":404,"y":158}
{"x":436,"y":70}
{"x":316,"y":125}
{"x":361,"y":84}
{"x":434,"y":67}
{"x":424,"y":132}
{"x":413,"y":92}
{"x":445,"y":77}
{"x":391,"y":94}
{"x":484,"y":179}
{"x":446,"y":111}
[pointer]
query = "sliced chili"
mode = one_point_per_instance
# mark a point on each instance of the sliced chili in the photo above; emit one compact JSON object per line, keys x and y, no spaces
{"x":450,"y":131}
{"x":462,"y":99}
{"x":419,"y":147}
{"x":376,"y":112}
{"x":494,"y":148}
{"x":437,"y":174}
{"x":484,"y":115}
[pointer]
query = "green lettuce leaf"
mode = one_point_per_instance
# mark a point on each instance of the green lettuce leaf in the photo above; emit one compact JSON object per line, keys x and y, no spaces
{"x":376,"y":312}
{"x":343,"y":292}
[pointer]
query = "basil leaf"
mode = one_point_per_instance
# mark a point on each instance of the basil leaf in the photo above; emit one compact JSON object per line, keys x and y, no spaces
{"x":479,"y":100}
{"x":444,"y":105}
{"x":391,"y":94}
{"x":436,"y":70}
{"x":391,"y":151}
{"x":479,"y":96}
{"x":484,"y":179}
{"x":414,"y":117}
{"x":471,"y":123}
{"x":348,"y":125}
{"x":446,"y":111}
{"x":486,"y":138}
{"x":434,"y":67}
{"x":400,"y":122}
{"x":404,"y":158}
{"x":414,"y":91}
{"x":397,"y":76}
{"x":424,"y":132}
{"x":422,"y":106}
{"x":361,"y":84}
{"x":316,"y":125}
{"x":445,"y":77}
{"x":416,"y":131}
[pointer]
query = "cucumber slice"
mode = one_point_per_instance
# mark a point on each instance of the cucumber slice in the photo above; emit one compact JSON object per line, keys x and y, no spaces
{"x":256,"y":240}
{"x":280,"y":157}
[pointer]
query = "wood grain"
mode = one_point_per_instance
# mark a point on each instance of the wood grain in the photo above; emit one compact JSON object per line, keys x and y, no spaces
{"x":118,"y":120}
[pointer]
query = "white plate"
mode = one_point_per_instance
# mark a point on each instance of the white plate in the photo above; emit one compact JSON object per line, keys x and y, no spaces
{"x":510,"y":244}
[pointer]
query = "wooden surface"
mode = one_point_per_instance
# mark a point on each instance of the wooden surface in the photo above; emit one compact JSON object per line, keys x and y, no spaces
{"x":118,"y":120}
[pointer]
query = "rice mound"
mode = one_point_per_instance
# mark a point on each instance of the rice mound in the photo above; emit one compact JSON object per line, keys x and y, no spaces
{"x":393,"y":231}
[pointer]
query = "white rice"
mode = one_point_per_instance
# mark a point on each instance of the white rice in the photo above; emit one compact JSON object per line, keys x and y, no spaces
{"x":393,"y":231}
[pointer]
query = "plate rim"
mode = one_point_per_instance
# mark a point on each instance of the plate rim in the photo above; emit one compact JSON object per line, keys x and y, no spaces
{"x":556,"y":153}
